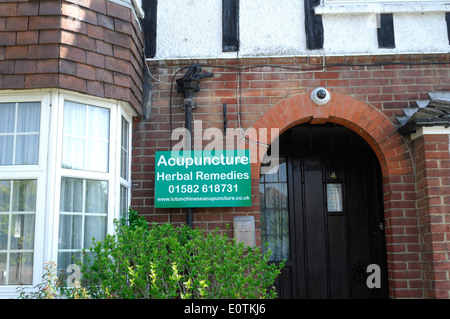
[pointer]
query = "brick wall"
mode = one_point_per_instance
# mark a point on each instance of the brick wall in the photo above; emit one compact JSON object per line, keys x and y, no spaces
{"x":92,"y":47}
{"x":432,"y":154}
{"x":368,"y":93}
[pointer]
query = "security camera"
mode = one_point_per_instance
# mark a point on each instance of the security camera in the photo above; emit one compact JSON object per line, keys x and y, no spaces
{"x":320,"y":96}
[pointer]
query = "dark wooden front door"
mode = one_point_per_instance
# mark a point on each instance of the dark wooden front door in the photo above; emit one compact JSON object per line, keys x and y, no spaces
{"x":334,"y":226}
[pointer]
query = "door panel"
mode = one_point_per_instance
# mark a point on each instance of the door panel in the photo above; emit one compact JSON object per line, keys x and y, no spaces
{"x":337,"y":257}
{"x":357,"y":224}
{"x":315,"y":239}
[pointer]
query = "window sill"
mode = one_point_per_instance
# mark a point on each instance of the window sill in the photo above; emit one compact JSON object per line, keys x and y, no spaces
{"x":349,"y":7}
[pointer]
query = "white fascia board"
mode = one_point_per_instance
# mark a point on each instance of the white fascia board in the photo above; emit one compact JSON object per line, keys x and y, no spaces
{"x":371,"y":7}
{"x":433,"y":130}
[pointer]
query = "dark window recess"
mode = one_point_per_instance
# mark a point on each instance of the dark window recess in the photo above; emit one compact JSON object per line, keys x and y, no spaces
{"x":385,"y":30}
{"x":149,"y":26}
{"x":313,"y":25}
{"x":230,"y":25}
{"x":447,"y":18}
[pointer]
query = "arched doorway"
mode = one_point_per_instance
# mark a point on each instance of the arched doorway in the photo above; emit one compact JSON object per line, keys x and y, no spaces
{"x":322,"y":212}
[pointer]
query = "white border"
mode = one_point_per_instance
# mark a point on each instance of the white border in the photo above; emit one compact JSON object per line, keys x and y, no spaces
{"x":377,"y":6}
{"x":433,"y":130}
{"x":36,"y":172}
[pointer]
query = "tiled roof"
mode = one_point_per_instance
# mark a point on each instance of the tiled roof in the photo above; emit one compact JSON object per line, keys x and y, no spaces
{"x":432,"y":112}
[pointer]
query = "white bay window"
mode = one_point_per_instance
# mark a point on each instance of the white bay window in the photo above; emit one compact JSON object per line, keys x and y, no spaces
{"x":64,"y":178}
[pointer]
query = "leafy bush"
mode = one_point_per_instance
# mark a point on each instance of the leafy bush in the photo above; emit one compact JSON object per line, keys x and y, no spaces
{"x":163,"y":261}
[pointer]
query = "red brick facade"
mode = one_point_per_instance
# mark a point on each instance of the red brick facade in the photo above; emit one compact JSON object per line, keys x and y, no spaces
{"x":367,"y":94}
{"x":433,"y":199}
{"x":91,"y":47}
{"x":94,"y":47}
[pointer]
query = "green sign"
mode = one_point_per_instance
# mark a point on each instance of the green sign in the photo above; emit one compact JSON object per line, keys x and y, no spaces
{"x":202,"y":179}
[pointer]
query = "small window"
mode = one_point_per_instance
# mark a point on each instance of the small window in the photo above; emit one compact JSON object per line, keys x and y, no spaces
{"x":125,"y":158}
{"x":83,"y":216}
{"x":124,"y":150}
{"x":274,"y":212}
{"x":17,"y":228}
{"x":86,"y":137}
{"x":19,"y":133}
{"x":334,"y":198}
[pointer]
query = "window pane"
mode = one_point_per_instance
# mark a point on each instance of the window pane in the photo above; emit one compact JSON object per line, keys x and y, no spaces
{"x":71,"y":195}
{"x":74,"y":119}
{"x":5,"y":193}
{"x":84,"y":212}
{"x":27,"y":149}
{"x":20,"y":268}
{"x":274,"y":212}
{"x":277,"y":173}
{"x":6,"y":150}
{"x":24,"y":196}
{"x":3,"y":269}
{"x":7,"y":115}
{"x":334,"y":198}
{"x":22,"y":232}
{"x":95,"y":228}
{"x":123,"y":202}
{"x":98,"y":125}
{"x":67,"y":258}
{"x":17,"y":231}
{"x":276,"y":195}
{"x":86,"y":137}
{"x":97,"y":152}
{"x":19,"y":133}
{"x":96,"y":197}
{"x":124,"y":150}
{"x":4,"y":226}
{"x":282,"y":170}
{"x":276,"y":222}
{"x":279,"y":246}
{"x":73,"y":153}
{"x":70,"y":230}
{"x":28,"y":119}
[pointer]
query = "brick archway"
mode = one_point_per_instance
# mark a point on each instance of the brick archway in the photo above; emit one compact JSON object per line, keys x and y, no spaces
{"x":368,"y":122}
{"x":399,"y":193}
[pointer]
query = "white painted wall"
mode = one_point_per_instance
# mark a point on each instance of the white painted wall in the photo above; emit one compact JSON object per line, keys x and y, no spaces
{"x":268,"y":29}
{"x":188,"y":28}
{"x":421,"y":32}
{"x":193,"y":28}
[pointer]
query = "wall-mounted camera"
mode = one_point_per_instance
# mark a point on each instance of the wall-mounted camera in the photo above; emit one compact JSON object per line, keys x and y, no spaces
{"x":320,"y":96}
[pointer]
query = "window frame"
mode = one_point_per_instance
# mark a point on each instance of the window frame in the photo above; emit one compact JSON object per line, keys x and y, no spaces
{"x":124,"y":182}
{"x":265,"y":213}
{"x":111,"y":176}
{"x":36,"y":172}
{"x":43,"y":98}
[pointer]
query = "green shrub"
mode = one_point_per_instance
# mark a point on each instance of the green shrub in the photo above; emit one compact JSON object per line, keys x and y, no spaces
{"x":163,"y":261}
